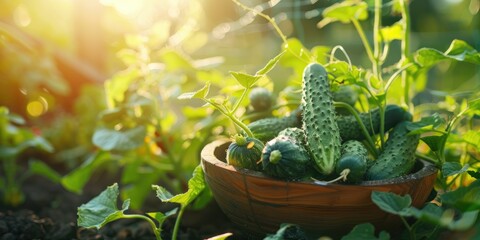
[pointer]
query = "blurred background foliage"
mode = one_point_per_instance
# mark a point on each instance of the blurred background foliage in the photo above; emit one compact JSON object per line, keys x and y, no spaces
{"x":85,"y":71}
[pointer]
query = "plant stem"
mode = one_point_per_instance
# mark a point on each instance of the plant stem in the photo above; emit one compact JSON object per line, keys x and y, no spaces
{"x":229,"y":115}
{"x":377,"y":41}
{"x":364,"y":39}
{"x":156,"y":230}
{"x":177,"y":223}
{"x":405,"y":47}
{"x":239,"y":101}
{"x":360,"y":122}
{"x":275,"y":26}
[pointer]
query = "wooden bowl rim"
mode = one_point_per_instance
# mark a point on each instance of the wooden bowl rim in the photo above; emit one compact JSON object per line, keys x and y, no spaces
{"x":208,"y":156}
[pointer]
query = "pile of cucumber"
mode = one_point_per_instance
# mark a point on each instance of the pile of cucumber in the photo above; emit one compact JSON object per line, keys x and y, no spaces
{"x":319,"y":141}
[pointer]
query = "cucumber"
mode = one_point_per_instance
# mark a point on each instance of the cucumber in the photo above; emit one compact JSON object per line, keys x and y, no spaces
{"x":350,"y":129}
{"x":245,"y":152}
{"x":398,"y":156}
{"x":260,"y":99}
{"x":284,"y":158}
{"x":295,"y":134}
{"x":268,"y":128}
{"x":318,"y":120}
{"x":354,"y":158}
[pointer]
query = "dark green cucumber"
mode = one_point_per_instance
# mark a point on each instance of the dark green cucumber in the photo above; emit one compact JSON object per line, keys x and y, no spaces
{"x":354,"y":158}
{"x":284,"y":158}
{"x":318,"y":120}
{"x":398,"y":155}
{"x":268,"y":128}
{"x":245,"y":152}
{"x":260,"y":99}
{"x":350,"y":129}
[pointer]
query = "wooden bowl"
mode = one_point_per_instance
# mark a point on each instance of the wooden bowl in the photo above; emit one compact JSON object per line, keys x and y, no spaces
{"x":258,"y":204}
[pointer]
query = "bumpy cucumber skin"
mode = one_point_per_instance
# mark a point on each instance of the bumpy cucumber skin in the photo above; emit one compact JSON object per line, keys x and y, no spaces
{"x":319,"y":123}
{"x":245,"y":155}
{"x":354,"y":157}
{"x":398,"y":156}
{"x":350,"y":129}
{"x":268,"y":128}
{"x":294,"y":163}
{"x":294,"y":133}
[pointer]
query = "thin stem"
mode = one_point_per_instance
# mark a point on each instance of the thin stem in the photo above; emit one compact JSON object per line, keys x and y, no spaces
{"x":156,"y":230}
{"x":377,"y":41}
{"x":365,"y":42}
{"x":275,"y":26}
{"x":360,"y":122}
{"x":338,"y":47}
{"x":409,"y":228}
{"x":239,"y":101}
{"x":405,"y":47}
{"x":177,"y":223}
{"x":230,"y":116}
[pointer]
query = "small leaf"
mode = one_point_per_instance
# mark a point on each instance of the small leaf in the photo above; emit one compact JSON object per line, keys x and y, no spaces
{"x":473,"y":138}
{"x":392,"y":203}
{"x":160,"y":217}
{"x":202,"y":93}
{"x":344,"y":12}
{"x":365,"y":231}
{"x":390,"y":33}
{"x":465,"y":198}
{"x":102,"y":209}
{"x":270,"y":65}
{"x":453,"y":168}
{"x":433,"y":142}
{"x":196,"y":185}
{"x":458,"y":50}
{"x":42,"y":169}
{"x":77,"y":178}
{"x":426,"y":124}
{"x":110,"y":139}
{"x":246,"y":80}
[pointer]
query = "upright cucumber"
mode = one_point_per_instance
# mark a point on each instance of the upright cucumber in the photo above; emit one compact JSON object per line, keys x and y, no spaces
{"x":350,"y":128}
{"x":318,"y":120}
{"x":398,"y":155}
{"x":354,"y":158}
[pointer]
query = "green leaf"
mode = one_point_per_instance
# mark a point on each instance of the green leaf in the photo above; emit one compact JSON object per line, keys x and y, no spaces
{"x":270,"y":65}
{"x":287,"y":231}
{"x":246,"y":80}
{"x":160,"y":217}
{"x":76,"y":179}
{"x":458,"y":51}
{"x":344,"y":73}
{"x":474,"y":174}
{"x":195,"y":186}
{"x":123,"y":140}
{"x":453,"y":168}
{"x":392,"y":203}
{"x":431,"y":213}
{"x":433,"y":142}
{"x":426,"y":124}
{"x":120,"y":82}
{"x":202,"y":93}
{"x":42,"y":169}
{"x":344,"y":12}
{"x":393,"y":32}
{"x":365,"y":231}
{"x":102,"y":209}
{"x":472,"y":138}
{"x":465,"y":198}
{"x":435,"y":215}
{"x":175,"y":60}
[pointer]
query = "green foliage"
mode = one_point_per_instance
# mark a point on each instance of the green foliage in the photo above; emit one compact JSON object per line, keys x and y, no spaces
{"x":103,"y":209}
{"x":365,"y":231}
{"x":15,"y":140}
